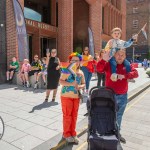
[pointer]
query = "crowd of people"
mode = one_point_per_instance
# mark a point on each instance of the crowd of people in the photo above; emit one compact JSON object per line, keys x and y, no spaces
{"x":110,"y":64}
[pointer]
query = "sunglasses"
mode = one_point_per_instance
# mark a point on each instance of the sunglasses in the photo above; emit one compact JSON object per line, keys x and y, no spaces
{"x":75,"y":60}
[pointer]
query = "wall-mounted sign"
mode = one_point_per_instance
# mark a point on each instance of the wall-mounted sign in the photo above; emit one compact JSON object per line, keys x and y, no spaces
{"x":41,"y":25}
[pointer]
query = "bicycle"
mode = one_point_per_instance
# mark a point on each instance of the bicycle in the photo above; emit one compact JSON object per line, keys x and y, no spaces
{"x":2,"y":127}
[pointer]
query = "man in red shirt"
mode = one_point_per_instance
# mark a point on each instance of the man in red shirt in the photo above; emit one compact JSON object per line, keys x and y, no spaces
{"x":121,"y":85}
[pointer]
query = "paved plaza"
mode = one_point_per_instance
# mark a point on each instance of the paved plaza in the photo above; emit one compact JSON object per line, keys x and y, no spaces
{"x":29,"y":122}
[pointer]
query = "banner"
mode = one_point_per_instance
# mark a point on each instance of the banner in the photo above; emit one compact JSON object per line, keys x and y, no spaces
{"x":91,"y":42}
{"x":23,"y":49}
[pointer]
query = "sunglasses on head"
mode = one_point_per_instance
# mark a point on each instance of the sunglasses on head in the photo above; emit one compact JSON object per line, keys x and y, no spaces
{"x":74,"y":60}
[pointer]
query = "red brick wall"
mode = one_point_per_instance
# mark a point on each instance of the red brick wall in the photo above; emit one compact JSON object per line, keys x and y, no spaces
{"x":123,"y":12}
{"x":80,"y":23}
{"x":53,"y":12}
{"x":142,"y":15}
{"x":65,"y":29}
{"x":95,"y":19}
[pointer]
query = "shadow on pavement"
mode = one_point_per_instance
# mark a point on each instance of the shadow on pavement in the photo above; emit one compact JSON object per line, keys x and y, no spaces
{"x":43,"y":105}
{"x":29,"y":89}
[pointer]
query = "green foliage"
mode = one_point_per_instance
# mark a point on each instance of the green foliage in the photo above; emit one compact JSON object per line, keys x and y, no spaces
{"x":149,"y":55}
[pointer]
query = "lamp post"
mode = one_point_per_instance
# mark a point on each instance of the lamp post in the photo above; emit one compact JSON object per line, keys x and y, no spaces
{"x":133,"y":54}
{"x":1,"y":26}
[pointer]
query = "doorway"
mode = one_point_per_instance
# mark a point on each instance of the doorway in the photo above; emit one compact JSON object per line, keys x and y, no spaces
{"x":47,"y":43}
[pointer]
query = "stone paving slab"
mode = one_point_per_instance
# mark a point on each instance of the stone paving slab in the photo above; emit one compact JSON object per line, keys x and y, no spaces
{"x":136,"y":124}
{"x":25,"y":114}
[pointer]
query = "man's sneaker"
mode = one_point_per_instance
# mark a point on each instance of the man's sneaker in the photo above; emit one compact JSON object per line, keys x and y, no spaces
{"x":70,"y":139}
{"x":44,"y":83}
{"x":76,"y":140}
{"x":114,"y":77}
{"x":131,"y":80}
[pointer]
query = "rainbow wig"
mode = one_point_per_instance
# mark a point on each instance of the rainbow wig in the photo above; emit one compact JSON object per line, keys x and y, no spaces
{"x":75,"y":54}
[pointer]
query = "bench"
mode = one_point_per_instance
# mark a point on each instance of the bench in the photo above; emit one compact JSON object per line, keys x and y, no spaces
{"x":16,"y":80}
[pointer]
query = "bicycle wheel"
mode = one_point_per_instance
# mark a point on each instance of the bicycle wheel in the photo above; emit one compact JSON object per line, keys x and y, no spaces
{"x":1,"y":127}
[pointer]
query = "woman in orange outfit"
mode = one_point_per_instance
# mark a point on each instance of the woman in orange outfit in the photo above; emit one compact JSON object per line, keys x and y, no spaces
{"x":70,"y":98}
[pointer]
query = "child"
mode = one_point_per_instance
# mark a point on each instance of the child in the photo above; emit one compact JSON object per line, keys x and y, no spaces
{"x":70,"y":99}
{"x":13,"y":67}
{"x":43,"y":72}
{"x":26,"y":67}
{"x":114,"y":45}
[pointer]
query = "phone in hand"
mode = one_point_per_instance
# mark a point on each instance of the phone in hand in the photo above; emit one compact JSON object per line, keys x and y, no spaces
{"x":47,"y":50}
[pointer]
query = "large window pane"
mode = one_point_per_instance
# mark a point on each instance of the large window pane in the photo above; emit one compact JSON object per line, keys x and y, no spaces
{"x":38,"y":10}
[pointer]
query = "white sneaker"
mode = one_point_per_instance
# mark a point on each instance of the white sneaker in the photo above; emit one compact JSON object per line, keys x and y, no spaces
{"x":70,"y":139}
{"x":114,"y":77}
{"x":28,"y":85}
{"x":76,"y":140}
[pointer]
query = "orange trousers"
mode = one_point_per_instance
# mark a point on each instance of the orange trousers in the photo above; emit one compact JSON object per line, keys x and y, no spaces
{"x":70,"y":108}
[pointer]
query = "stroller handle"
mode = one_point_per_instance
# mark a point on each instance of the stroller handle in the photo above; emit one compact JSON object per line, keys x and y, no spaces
{"x":99,"y":87}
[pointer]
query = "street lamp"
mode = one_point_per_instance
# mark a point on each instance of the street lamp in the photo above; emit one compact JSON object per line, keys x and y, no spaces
{"x":1,"y":25}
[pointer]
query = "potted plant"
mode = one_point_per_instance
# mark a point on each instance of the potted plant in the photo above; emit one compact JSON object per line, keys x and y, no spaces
{"x":148,"y":73}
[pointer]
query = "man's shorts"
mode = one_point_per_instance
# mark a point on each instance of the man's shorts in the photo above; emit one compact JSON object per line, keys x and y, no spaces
{"x":32,"y":72}
{"x":44,"y":72}
{"x":10,"y":70}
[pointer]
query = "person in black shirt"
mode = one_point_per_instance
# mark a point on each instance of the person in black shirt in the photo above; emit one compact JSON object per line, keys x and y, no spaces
{"x":53,"y":73}
{"x":35,"y":67}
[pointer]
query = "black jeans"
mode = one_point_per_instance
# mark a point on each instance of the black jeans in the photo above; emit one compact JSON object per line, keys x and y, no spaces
{"x":101,"y":78}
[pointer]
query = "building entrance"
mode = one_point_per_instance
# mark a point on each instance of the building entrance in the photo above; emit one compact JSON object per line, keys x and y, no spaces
{"x":47,"y":43}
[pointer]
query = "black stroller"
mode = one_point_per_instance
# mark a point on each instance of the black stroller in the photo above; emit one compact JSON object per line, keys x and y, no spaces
{"x":103,"y":133}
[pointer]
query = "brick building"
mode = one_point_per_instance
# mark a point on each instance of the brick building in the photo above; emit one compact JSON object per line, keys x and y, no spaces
{"x":63,"y":24}
{"x":137,"y":15}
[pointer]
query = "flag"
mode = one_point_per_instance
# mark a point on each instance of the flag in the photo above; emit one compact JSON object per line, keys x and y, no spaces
{"x":23,"y":49}
{"x":72,"y":68}
{"x":91,"y":42}
{"x":144,"y":31}
{"x":64,"y":68}
{"x":68,"y":68}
